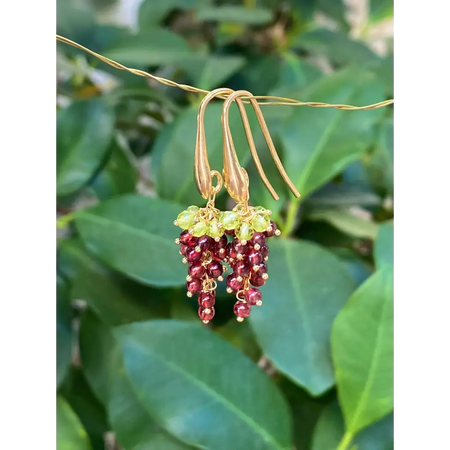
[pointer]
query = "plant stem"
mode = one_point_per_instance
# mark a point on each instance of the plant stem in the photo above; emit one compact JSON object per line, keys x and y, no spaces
{"x":290,"y":218}
{"x":345,"y":441}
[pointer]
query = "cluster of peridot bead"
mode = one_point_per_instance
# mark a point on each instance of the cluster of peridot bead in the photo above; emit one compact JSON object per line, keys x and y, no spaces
{"x":244,"y":224}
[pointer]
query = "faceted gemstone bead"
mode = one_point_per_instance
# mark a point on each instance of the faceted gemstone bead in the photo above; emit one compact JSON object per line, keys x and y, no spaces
{"x":264,"y":250}
{"x":187,"y":239}
{"x":254,"y":257}
{"x":196,"y":270}
{"x":242,"y":309}
{"x":193,"y":209}
{"x":186,"y":219}
{"x":272,"y":231}
{"x":183,"y":249}
{"x":260,"y":222}
{"x":215,"y":230}
{"x":214,"y":269}
{"x":229,"y":220}
{"x":194,"y":285}
{"x":233,"y":283}
{"x":244,"y":231}
{"x":206,"y":313}
{"x":260,"y":210}
{"x":207,"y":299}
{"x":241,"y":268}
{"x":192,"y":255}
{"x":252,"y":296}
{"x":200,"y":228}
{"x":258,"y":238}
{"x":257,"y":280}
{"x":205,"y":243}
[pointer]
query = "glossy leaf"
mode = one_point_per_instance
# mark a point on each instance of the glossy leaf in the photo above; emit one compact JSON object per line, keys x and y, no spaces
{"x":63,"y":329}
{"x":192,"y":381}
{"x":330,"y":430}
{"x":320,"y":143}
{"x":116,"y":299}
{"x":175,"y":145}
{"x":151,"y":47}
{"x":235,"y":13}
{"x":384,"y":245}
{"x":307,"y":288}
{"x":133,"y":234}
{"x":359,"y":269}
{"x":362,"y":349}
{"x":84,"y":133}
{"x":70,"y":433}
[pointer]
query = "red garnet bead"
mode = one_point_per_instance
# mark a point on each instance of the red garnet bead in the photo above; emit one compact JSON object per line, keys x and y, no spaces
{"x":183,"y":249}
{"x":252,"y":296}
{"x":254,"y":257}
{"x":187,"y":239}
{"x":232,"y":253}
{"x":206,"y":313}
{"x":241,"y":268}
{"x":214,"y":269}
{"x":262,"y":269}
{"x":193,"y":255}
{"x":196,"y":270}
{"x":233,"y":283}
{"x":229,"y":232}
{"x":220,"y":253}
{"x":205,"y":242}
{"x":222,"y":243}
{"x":258,"y":238}
{"x":240,"y":247}
{"x":264,"y":250}
{"x":194,"y":286}
{"x":242,"y":309}
{"x":272,"y":231}
{"x":257,"y":280}
{"x":206,"y":299}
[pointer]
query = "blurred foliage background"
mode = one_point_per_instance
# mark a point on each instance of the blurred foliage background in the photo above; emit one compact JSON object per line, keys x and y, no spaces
{"x":312,"y":368}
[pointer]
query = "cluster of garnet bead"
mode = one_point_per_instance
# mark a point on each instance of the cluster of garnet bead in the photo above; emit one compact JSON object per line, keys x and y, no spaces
{"x":206,"y":256}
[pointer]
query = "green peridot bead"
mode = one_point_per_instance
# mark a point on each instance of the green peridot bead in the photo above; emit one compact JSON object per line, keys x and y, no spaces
{"x":260,"y":222}
{"x":215,"y":230}
{"x":200,"y":228}
{"x":193,"y":209}
{"x":260,"y":210}
{"x":229,"y":220}
{"x":186,"y":219}
{"x":244,"y":232}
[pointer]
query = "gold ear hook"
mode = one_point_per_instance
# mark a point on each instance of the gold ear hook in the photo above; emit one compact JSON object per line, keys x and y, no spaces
{"x":231,"y":164}
{"x":202,"y":169}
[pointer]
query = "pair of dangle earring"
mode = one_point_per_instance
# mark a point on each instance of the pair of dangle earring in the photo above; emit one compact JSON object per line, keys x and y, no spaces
{"x":210,"y":239}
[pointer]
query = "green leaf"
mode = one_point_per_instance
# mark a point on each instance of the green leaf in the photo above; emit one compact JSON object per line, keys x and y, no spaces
{"x":102,"y":360}
{"x":320,"y":142}
{"x":330,"y":430}
{"x":335,"y":46}
{"x":116,"y":299}
{"x":152,"y":47}
{"x":358,"y":269}
{"x":384,"y":245}
{"x":346,"y":222}
{"x":63,"y":329}
{"x":119,"y":176}
{"x":334,"y":9}
{"x":307,"y":288}
{"x":70,"y":433}
{"x":381,"y":9}
{"x":201,"y":389}
{"x":175,"y":145}
{"x":84,"y":133}
{"x":236,"y":14}
{"x":134,"y":235}
{"x":362,"y":349}
{"x":208,"y":72}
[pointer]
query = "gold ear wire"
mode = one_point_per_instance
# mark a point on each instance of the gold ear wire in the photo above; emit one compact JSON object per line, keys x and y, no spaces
{"x":231,"y":163}
{"x":202,"y":170}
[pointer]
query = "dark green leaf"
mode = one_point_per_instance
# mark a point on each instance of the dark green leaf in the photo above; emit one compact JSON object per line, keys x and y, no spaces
{"x":359,"y":269}
{"x":333,"y":195}
{"x":70,"y":433}
{"x":175,"y":145}
{"x":151,"y":47}
{"x":334,"y":9}
{"x":319,"y":143}
{"x":119,"y":176}
{"x":63,"y":329}
{"x":116,"y":299}
{"x":76,"y":21}
{"x":134,"y":234}
{"x":330,"y":430}
{"x":236,"y":14}
{"x":362,"y":348}
{"x":307,"y":288}
{"x":84,"y":133}
{"x":202,"y":389}
{"x":384,"y":245}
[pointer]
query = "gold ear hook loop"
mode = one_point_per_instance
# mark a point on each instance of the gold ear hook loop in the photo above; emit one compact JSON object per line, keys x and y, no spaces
{"x":202,"y":169}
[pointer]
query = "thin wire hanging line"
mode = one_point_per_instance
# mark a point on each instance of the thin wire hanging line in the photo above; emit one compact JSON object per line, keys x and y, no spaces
{"x":270,"y":100}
